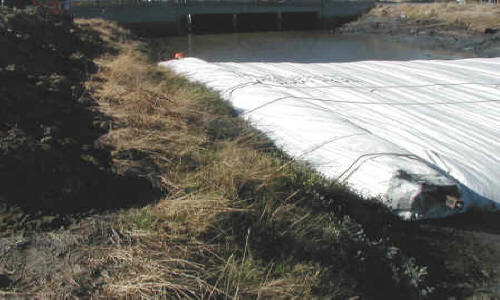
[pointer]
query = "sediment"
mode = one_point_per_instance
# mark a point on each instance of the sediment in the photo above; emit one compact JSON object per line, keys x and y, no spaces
{"x":447,"y":27}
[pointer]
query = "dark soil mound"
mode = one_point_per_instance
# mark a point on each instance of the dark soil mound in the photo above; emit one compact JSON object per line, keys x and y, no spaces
{"x":50,"y":157}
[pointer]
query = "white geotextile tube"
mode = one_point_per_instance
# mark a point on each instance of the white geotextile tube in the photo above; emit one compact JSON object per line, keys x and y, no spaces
{"x":423,"y":136}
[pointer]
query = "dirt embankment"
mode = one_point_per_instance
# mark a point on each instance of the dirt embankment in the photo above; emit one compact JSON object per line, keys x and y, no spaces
{"x":237,"y":219}
{"x":54,"y":169}
{"x":473,"y":29}
{"x":51,"y":158}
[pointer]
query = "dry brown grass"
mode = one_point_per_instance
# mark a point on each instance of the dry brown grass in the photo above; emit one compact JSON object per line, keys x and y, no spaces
{"x":238,"y":219}
{"x":108,"y":31}
{"x":475,"y":17}
{"x":232,"y":202}
{"x":158,"y":250}
{"x":152,"y":266}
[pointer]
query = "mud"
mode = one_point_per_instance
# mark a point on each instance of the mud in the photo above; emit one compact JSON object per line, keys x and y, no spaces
{"x":429,"y":33}
{"x":51,"y":157}
{"x":57,"y":182}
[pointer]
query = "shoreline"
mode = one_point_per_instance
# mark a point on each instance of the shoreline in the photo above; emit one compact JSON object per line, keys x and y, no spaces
{"x":401,"y":23}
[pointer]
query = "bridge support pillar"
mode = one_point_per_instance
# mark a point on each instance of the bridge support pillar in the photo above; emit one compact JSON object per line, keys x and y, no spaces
{"x":235,"y":23}
{"x":189,"y":23}
{"x":279,"y":21}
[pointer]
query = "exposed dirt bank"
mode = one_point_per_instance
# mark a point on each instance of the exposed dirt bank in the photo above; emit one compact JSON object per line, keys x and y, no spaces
{"x":55,"y":172}
{"x":51,"y":158}
{"x":474,"y":29}
{"x":237,"y":218}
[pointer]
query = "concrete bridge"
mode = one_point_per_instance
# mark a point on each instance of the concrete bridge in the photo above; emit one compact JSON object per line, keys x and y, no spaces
{"x":182,"y":16}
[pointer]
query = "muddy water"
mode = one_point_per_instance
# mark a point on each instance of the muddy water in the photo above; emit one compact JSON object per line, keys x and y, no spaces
{"x":303,"y":47}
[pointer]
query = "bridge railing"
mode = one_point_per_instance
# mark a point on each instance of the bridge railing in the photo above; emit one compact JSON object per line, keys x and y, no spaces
{"x":191,"y":3}
{"x":122,"y":3}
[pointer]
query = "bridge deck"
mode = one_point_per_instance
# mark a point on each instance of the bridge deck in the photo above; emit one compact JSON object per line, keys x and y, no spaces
{"x":174,"y":12}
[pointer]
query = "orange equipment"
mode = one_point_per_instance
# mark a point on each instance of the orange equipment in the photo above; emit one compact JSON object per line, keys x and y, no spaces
{"x":178,"y":55}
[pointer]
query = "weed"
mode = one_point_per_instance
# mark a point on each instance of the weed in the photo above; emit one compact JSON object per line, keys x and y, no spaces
{"x":238,"y":218}
{"x":139,"y":219}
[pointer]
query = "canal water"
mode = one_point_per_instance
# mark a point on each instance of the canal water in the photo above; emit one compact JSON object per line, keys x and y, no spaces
{"x":299,"y":47}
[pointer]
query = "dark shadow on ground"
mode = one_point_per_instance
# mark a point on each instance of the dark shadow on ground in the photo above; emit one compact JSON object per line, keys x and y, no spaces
{"x":457,"y":264}
{"x":473,"y":220}
{"x":51,"y":160}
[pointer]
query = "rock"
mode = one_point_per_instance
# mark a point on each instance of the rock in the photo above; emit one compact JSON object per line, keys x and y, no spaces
{"x":490,"y":31}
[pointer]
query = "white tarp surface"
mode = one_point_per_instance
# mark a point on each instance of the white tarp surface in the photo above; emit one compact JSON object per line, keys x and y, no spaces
{"x":424,"y":136}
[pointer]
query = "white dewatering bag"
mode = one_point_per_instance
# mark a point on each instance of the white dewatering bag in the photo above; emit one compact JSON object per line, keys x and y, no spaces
{"x":424,"y":136}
